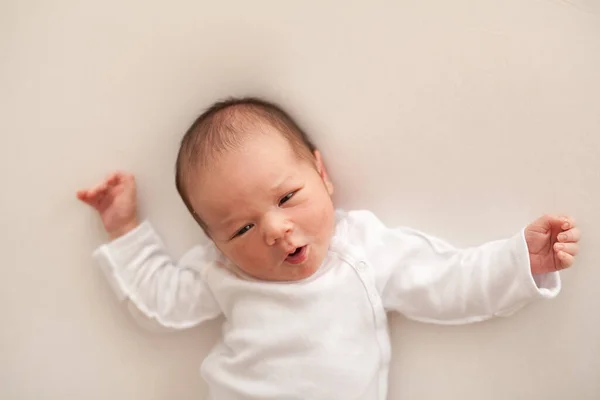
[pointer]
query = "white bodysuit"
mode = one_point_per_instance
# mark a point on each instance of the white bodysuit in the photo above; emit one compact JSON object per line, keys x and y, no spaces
{"x":325,"y":337}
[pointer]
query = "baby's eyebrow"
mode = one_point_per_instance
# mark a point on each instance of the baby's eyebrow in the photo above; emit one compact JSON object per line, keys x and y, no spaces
{"x":282,"y":183}
{"x":227,"y":224}
{"x":231,"y":222}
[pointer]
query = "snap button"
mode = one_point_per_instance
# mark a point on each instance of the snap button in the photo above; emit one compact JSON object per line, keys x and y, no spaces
{"x":362,"y":266}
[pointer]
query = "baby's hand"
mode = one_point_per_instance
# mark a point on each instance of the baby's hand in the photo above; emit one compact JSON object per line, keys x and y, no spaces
{"x":115,"y":201}
{"x":552,"y":242}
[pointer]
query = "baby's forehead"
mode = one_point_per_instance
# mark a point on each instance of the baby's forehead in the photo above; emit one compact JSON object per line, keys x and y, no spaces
{"x":259,"y":140}
{"x":266,"y":153}
{"x":242,"y":122}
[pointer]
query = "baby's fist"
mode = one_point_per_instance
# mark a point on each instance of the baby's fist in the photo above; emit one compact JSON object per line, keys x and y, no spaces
{"x":552,"y":242}
{"x":115,"y":201}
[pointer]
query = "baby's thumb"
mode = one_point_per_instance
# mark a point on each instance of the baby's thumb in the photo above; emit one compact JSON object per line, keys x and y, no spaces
{"x":81,"y":195}
{"x":85,"y":197}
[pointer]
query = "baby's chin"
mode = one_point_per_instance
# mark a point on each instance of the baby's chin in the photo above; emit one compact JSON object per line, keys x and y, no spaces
{"x":289,"y":273}
{"x":291,"y":269}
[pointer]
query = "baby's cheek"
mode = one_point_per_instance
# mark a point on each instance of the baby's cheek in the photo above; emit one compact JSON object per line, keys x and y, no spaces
{"x":327,"y":211}
{"x":251,"y":258}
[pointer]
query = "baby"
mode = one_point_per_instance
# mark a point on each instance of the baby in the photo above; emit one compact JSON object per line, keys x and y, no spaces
{"x":304,"y":289}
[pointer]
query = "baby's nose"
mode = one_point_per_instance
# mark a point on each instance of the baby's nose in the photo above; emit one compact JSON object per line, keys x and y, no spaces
{"x":278,"y":236}
{"x":276,"y":230}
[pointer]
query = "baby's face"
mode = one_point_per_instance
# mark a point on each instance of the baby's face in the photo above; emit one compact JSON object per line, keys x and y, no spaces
{"x":268,"y":210}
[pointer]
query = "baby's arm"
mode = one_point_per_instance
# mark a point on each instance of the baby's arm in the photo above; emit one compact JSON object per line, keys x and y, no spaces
{"x":426,"y":279}
{"x":139,"y":268}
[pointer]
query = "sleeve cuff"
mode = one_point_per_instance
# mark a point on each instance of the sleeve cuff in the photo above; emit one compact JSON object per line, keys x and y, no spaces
{"x":110,"y":256}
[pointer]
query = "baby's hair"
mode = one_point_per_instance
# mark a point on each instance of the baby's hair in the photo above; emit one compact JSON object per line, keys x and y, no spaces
{"x":222,"y":127}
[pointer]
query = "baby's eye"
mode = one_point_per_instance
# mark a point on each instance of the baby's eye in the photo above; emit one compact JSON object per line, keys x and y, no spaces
{"x":243,"y":230}
{"x":286,"y":197}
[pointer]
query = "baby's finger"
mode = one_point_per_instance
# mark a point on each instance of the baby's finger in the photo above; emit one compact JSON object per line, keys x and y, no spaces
{"x":571,"y":235}
{"x":96,"y":201}
{"x":98,"y":189}
{"x":566,"y":260}
{"x":82,"y":194}
{"x":85,"y":197}
{"x":569,"y":248}
{"x":114,"y":178}
{"x":567,"y":222}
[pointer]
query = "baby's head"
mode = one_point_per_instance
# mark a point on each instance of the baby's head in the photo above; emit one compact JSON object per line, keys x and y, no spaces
{"x":258,"y":188}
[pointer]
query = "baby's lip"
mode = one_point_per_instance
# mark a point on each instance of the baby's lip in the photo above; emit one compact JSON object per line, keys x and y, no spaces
{"x":292,"y":248}
{"x":299,"y":257}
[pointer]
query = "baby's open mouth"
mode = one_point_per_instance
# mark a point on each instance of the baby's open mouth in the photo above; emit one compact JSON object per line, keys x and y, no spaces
{"x":297,"y":256}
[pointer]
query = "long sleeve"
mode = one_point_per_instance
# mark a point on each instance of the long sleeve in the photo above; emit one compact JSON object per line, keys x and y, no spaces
{"x":139,"y":269}
{"x":426,"y":279}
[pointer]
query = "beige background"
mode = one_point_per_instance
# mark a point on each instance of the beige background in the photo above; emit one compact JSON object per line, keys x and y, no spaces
{"x":466,"y":119}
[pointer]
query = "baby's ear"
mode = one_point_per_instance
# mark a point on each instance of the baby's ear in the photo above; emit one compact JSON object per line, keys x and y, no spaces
{"x":323,"y":172}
